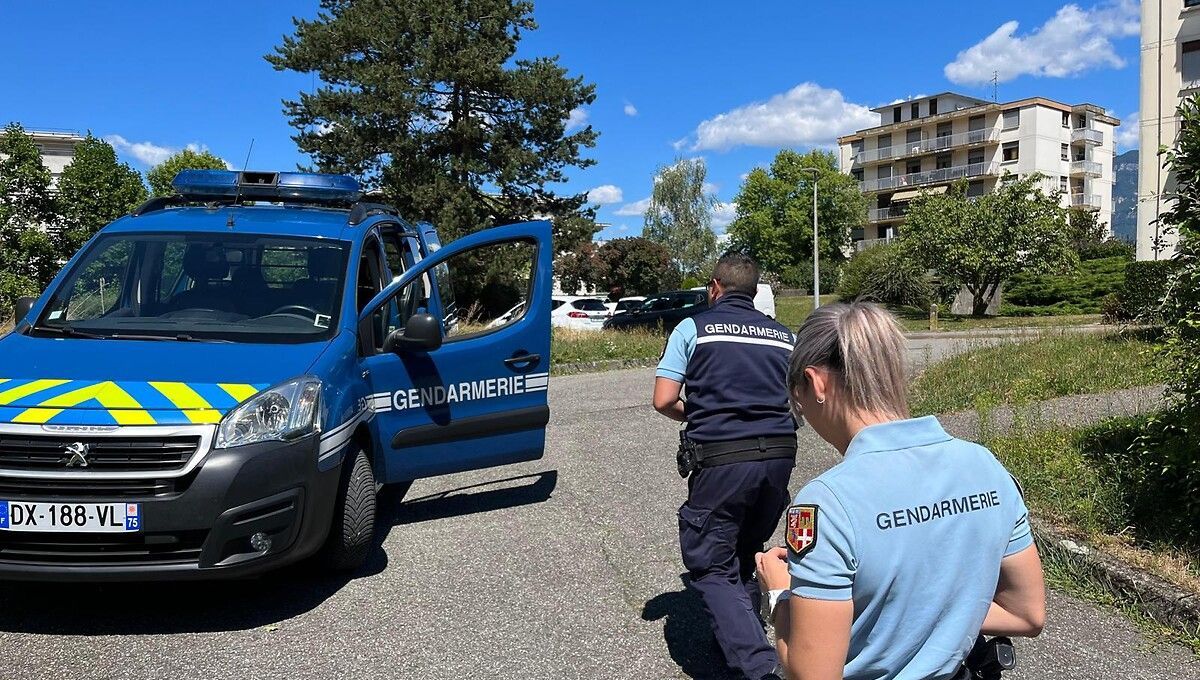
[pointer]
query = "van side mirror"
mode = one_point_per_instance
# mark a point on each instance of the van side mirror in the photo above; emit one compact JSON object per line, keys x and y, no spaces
{"x":22,"y":307}
{"x":422,"y":333}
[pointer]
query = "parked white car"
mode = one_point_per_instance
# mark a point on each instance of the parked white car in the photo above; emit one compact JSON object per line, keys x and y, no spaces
{"x":579,"y":313}
{"x":624,"y":304}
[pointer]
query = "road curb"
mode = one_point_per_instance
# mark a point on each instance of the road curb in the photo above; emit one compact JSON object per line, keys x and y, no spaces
{"x":605,"y":365}
{"x":1155,"y":597}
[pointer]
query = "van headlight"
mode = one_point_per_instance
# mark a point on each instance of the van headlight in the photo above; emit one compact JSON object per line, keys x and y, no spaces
{"x":287,"y":411}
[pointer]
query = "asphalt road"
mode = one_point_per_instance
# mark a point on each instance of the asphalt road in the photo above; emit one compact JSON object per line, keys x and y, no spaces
{"x":563,"y":568}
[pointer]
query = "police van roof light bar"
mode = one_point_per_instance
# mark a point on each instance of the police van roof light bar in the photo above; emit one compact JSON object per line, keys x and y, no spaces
{"x":299,"y":187}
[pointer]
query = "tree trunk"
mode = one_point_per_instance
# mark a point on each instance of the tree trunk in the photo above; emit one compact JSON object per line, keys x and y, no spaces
{"x":980,"y":297}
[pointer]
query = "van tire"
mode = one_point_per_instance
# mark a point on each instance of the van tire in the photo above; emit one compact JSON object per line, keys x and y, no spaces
{"x":352,"y":531}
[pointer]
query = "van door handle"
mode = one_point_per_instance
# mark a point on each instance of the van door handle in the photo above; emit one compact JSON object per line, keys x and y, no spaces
{"x":523,"y":359}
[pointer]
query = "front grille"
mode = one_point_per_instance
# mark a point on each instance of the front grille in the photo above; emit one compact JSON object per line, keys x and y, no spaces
{"x":101,"y":549}
{"x":76,"y":488}
{"x":29,"y":452}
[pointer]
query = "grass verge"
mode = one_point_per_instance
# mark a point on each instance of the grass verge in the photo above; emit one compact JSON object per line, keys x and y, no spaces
{"x":576,"y":347}
{"x":1037,"y":370}
{"x":914,"y":320}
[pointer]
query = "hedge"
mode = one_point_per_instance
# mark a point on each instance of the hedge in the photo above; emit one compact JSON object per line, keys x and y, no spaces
{"x":1141,"y":295}
{"x":1080,"y":292}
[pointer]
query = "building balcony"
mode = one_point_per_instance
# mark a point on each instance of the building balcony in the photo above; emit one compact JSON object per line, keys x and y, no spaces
{"x":930,"y":177}
{"x":1090,"y":201}
{"x":862,"y":245}
{"x":1088,"y":136}
{"x":1086,"y":168}
{"x":885,"y":214}
{"x":931,"y":145}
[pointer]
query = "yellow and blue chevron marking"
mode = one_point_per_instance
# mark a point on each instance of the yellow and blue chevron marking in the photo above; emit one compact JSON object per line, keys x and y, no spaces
{"x":107,"y":402}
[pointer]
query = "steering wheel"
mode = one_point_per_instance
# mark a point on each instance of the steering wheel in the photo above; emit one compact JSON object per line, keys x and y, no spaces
{"x":290,"y":309}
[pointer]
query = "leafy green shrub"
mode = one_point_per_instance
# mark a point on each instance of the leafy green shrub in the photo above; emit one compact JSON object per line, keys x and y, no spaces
{"x":1110,"y":308}
{"x":1105,"y":249}
{"x":800,"y":275}
{"x":1144,"y":288}
{"x":1079,"y":292}
{"x":886,"y":273}
{"x":691,"y":282}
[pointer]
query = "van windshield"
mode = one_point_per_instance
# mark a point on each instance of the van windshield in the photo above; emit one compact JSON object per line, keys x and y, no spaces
{"x":206,"y":287}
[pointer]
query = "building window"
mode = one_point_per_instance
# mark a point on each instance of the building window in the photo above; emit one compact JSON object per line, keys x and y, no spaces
{"x":856,"y":147}
{"x":915,"y":110}
{"x":975,"y":189}
{"x":1190,"y":65}
{"x":896,"y":114}
{"x":1012,"y":119}
{"x":1011,"y":151}
{"x":933,"y":106}
{"x":1064,"y":152}
{"x":913,"y":136}
{"x":912,"y":166}
{"x":1062,"y":184}
{"x":857,"y":175}
{"x":883,"y":172}
{"x":975,"y":157}
{"x":1191,"y":3}
{"x":1066,"y":120}
{"x":884,"y":144}
{"x":943,"y":161}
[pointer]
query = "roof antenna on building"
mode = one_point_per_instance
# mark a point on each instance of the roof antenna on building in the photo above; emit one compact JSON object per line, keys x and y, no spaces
{"x":995,"y":86}
{"x":237,"y":195}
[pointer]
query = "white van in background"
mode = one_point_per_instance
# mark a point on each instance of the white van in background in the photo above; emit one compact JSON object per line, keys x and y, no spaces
{"x":764,"y":299}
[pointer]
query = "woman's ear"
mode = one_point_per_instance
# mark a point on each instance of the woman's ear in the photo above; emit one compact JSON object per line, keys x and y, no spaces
{"x":818,"y":379}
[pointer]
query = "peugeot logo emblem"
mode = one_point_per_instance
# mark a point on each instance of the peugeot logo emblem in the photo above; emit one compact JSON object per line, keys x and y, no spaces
{"x":78,"y":452}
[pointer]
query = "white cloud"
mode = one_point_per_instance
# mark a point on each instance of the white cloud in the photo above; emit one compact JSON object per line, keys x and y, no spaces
{"x":606,"y":194}
{"x":1128,"y":134}
{"x":1069,"y":43}
{"x":637,"y":208}
{"x":806,"y":115}
{"x":623,"y":228}
{"x":710,"y":188}
{"x":723,"y":214}
{"x":577,"y":118}
{"x":148,"y":153}
{"x":630,"y":109}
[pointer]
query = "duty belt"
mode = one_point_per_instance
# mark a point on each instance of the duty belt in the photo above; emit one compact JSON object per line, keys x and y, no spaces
{"x":744,"y":450}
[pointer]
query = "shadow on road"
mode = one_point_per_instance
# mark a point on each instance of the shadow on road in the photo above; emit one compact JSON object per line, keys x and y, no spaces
{"x":688,"y":633}
{"x":210,"y":606}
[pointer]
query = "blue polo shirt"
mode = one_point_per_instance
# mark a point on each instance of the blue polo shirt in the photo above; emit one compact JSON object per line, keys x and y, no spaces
{"x":911,"y":526}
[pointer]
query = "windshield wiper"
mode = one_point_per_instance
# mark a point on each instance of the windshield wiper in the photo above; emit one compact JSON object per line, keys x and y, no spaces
{"x":69,"y":332}
{"x":180,"y":337}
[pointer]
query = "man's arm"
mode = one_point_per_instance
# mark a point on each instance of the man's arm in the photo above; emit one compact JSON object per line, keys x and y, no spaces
{"x":666,"y":399}
{"x":672,"y":370}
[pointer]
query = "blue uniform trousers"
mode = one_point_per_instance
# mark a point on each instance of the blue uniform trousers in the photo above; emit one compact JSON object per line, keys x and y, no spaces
{"x":730,"y":512}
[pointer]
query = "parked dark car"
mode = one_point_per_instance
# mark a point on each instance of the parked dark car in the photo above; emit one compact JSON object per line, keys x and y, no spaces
{"x":664,"y":311}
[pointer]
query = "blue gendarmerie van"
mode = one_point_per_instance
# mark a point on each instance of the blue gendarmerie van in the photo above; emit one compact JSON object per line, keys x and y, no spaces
{"x":221,"y":382}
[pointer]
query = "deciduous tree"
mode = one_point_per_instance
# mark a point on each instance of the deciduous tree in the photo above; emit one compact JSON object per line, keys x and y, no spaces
{"x":27,"y":261}
{"x":774,"y":222}
{"x":680,"y":216}
{"x":429,"y":102}
{"x":982,"y":242}
{"x":161,"y":175}
{"x":94,"y":189}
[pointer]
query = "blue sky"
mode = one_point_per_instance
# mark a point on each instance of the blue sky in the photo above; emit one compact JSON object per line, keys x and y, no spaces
{"x":731,"y":82}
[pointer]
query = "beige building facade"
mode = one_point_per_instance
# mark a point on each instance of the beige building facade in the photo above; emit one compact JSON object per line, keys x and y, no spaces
{"x":1170,"y":72}
{"x":57,"y":148}
{"x":926,"y":144}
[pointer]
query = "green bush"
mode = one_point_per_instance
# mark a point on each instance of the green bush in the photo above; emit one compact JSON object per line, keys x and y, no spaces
{"x":1105,"y":249}
{"x":1079,"y":292}
{"x":1144,"y":288}
{"x":800,"y":276}
{"x":888,"y":274}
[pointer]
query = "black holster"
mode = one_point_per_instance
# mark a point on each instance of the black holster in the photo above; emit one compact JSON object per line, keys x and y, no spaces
{"x":988,"y":658}
{"x":685,"y":459}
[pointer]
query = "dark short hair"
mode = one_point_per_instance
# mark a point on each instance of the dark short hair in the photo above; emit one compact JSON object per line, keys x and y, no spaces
{"x":737,"y":272}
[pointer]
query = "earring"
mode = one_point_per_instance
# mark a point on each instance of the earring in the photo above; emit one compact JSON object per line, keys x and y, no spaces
{"x":820,"y":401}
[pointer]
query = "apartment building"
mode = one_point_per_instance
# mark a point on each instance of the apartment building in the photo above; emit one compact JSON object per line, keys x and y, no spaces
{"x":57,"y":148}
{"x":1170,"y":72}
{"x":925,"y":144}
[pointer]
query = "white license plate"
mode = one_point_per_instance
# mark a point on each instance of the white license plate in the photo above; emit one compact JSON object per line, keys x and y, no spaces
{"x":70,"y":517}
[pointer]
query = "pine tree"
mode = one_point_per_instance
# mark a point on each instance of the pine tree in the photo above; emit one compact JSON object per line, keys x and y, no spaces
{"x":94,"y":189}
{"x":427,"y":102}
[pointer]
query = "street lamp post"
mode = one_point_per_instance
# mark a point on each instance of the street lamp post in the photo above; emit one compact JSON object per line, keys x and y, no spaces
{"x":816,"y":240}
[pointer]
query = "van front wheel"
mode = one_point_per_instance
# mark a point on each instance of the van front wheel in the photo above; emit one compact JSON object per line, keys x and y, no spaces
{"x":352,"y":531}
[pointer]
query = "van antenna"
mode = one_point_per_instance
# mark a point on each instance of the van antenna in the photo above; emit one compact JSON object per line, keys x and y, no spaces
{"x":238,"y":194}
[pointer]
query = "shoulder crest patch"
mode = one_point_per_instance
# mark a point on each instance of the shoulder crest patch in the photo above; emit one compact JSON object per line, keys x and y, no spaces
{"x":801,"y":528}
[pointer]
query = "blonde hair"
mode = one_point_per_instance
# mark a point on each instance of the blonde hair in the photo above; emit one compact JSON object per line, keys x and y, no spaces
{"x":863,"y":346}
